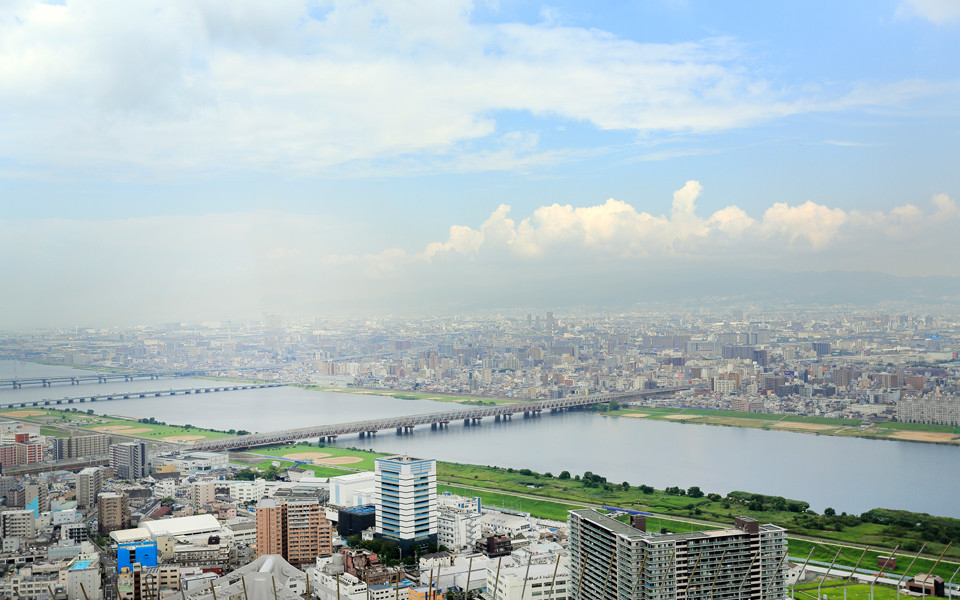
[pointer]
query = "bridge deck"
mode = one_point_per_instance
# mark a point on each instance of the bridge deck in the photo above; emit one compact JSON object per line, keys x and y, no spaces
{"x":371,"y":425}
{"x":130,"y":395}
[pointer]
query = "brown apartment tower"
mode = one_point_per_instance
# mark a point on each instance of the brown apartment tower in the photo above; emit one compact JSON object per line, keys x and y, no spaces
{"x":298,"y":531}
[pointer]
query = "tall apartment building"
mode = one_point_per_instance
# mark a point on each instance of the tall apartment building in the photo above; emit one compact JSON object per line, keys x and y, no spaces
{"x":19,"y":449}
{"x":18,"y":524}
{"x":406,"y":499}
{"x":933,"y":408}
{"x":89,"y":485}
{"x":610,"y":559}
{"x":202,"y":493}
{"x":81,"y":445}
{"x":113,"y":511}
{"x":298,"y":531}
{"x":129,"y":460}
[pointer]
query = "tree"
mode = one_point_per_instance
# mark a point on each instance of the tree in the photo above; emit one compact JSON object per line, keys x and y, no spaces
{"x":695,"y":492}
{"x":625,"y":485}
{"x":829,"y":512}
{"x":564,"y":475}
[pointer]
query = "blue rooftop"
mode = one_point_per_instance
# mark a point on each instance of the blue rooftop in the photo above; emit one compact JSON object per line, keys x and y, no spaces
{"x":81,"y":565}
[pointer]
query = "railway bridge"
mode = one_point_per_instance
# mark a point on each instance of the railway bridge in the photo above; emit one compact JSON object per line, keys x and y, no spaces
{"x":437,"y":420}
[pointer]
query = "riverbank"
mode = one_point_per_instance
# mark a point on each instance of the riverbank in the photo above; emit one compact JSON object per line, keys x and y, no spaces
{"x":148,"y":429}
{"x":409,"y":395}
{"x":549,"y":495}
{"x":902,"y":432}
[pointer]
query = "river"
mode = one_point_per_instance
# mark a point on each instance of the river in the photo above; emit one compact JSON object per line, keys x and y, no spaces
{"x":849,"y":474}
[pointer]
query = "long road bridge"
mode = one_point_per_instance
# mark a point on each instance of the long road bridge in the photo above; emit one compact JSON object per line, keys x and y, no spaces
{"x":129,"y":395}
{"x":19,"y":382}
{"x":438,"y":420}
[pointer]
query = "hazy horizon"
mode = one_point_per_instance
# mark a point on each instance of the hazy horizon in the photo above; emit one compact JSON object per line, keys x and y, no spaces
{"x":184,"y":161}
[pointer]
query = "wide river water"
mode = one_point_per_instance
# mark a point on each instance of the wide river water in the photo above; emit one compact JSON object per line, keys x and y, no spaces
{"x":848,"y":474}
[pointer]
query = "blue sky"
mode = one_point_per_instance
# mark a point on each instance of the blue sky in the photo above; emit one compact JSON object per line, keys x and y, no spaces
{"x":239,"y":149}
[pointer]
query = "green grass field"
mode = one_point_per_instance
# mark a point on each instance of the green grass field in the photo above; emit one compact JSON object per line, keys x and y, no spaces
{"x":365,"y":463}
{"x":118,"y":425}
{"x":545,"y":509}
{"x":831,"y":590}
{"x":825,"y":552}
{"x":796,"y":423}
{"x":318,"y":470}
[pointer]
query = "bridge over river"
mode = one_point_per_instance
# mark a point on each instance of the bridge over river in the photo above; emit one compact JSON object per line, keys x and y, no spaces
{"x":18,"y":382}
{"x":133,"y":395}
{"x":438,"y":420}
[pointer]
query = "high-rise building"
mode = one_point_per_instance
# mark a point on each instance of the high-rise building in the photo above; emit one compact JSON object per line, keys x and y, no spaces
{"x":89,"y":485}
{"x":18,"y":524}
{"x":299,"y":530}
{"x":129,"y":460}
{"x":609,"y":558}
{"x":406,"y":496}
{"x":202,"y":493}
{"x":113,"y":511}
{"x":81,"y":445}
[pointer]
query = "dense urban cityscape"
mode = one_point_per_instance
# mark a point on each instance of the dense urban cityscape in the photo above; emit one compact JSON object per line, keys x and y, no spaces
{"x":479,"y":300}
{"x":97,"y":503}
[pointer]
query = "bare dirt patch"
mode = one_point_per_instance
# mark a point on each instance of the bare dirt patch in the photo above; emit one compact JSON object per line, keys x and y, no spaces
{"x":682,"y":417}
{"x":183,"y":438}
{"x":635,"y":415}
{"x":122,"y":429}
{"x":807,"y":426}
{"x":24,"y":413}
{"x":340,"y":460}
{"x":924,"y":436}
{"x":306,"y":455}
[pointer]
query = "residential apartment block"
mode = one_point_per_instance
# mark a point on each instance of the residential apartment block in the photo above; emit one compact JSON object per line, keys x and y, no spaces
{"x":610,"y":559}
{"x":299,"y":531}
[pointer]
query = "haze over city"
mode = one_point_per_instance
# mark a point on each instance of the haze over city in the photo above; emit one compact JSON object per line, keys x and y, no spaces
{"x":204,"y":161}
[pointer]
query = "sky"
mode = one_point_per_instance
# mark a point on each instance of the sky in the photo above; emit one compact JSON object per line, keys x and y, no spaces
{"x":205,"y":160}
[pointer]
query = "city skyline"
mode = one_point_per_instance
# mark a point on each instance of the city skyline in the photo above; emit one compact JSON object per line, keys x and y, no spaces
{"x":184,"y":161}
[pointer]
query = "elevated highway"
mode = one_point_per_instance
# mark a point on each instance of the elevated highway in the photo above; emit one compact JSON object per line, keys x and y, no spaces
{"x":134,"y":395}
{"x":437,"y":420}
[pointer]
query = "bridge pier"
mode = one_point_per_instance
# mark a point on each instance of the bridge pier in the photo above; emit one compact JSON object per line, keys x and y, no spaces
{"x":466,"y":422}
{"x":45,"y":383}
{"x":399,"y":430}
{"x":433,"y":426}
{"x":73,"y":381}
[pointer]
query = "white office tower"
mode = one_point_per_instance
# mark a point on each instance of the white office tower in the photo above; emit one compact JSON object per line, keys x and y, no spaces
{"x":406,"y":499}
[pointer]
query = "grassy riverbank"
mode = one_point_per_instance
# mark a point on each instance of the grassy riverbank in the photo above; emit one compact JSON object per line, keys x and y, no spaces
{"x":128,"y":426}
{"x":911,"y":432}
{"x":409,"y":395}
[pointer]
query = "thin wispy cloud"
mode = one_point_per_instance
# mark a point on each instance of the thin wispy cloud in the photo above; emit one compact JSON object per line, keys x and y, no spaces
{"x":176,"y":88}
